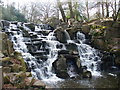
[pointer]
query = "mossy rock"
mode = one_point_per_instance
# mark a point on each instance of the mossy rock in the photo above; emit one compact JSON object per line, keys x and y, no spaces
{"x":6,"y":79}
{"x":16,"y":68}
{"x":22,"y":63}
{"x":6,"y":61}
{"x":6,"y":69}
{"x":17,"y":54}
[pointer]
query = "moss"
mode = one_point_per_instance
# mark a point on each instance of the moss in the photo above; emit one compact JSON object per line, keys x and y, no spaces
{"x":22,"y":63}
{"x":19,"y":57}
{"x":16,"y":68}
{"x":98,"y":27}
{"x":6,"y":79}
{"x":6,"y":59}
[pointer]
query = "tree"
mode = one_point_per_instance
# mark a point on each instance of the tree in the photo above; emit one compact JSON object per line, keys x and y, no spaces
{"x":12,"y":14}
{"x":87,"y":10}
{"x":61,"y":10}
{"x":70,"y":8}
{"x":118,"y":12}
{"x":102,"y":5}
{"x":107,"y":8}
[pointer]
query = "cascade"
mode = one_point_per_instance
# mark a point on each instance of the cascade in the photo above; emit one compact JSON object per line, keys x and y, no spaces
{"x":88,"y":55}
{"x":40,"y":50}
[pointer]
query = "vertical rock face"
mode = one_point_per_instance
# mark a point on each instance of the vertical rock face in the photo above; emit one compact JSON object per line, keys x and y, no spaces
{"x":5,"y":44}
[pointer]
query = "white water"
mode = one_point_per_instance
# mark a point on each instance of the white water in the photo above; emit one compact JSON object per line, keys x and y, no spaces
{"x":88,"y":55}
{"x":42,"y":70}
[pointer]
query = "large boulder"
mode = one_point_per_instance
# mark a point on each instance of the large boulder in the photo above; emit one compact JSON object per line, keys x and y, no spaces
{"x":60,"y":67}
{"x":63,"y":64}
{"x":61,"y":35}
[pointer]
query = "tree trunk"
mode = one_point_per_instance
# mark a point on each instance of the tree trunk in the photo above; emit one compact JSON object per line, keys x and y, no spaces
{"x":70,"y":7}
{"x":87,"y":9}
{"x":117,"y":13}
{"x":103,"y":9}
{"x":61,"y":10}
{"x":107,"y":9}
{"x":115,"y":6}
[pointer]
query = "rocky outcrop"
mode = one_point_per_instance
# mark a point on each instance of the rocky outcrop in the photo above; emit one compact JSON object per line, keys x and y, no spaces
{"x":16,"y":74}
{"x":105,"y":35}
{"x":6,"y":46}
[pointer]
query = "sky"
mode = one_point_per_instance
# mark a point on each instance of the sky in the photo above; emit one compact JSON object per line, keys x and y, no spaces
{"x":25,"y":2}
{"x":21,"y":2}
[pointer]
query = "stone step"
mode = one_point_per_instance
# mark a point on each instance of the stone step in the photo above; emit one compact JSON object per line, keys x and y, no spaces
{"x":44,"y":58}
{"x":37,"y":43}
{"x":39,"y":52}
{"x":28,"y":43}
{"x":36,"y":39}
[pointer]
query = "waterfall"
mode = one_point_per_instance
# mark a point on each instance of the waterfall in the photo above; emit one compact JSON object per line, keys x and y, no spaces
{"x":88,"y":55}
{"x":40,"y":68}
{"x":40,"y":50}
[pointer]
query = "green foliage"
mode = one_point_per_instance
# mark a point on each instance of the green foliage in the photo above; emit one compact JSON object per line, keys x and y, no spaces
{"x":10,"y":13}
{"x":98,"y":27}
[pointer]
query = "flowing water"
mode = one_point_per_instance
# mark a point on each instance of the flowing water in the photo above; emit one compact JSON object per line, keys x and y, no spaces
{"x":88,"y":55}
{"x":40,"y":51}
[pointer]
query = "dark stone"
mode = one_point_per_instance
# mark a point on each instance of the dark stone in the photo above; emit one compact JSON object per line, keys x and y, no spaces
{"x":62,"y":74}
{"x":31,"y":26}
{"x":5,"y":23}
{"x":63,"y":52}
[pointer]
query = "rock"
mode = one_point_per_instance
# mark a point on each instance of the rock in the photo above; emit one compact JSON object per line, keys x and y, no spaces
{"x":16,"y":68}
{"x":62,"y":74}
{"x":117,"y":61}
{"x":86,"y":29}
{"x":86,"y":74}
{"x":6,"y":61}
{"x":8,"y":86}
{"x":20,"y":58}
{"x":28,"y":74}
{"x":60,"y":64}
{"x":5,"y":23}
{"x":1,"y":54}
{"x":60,"y":67}
{"x":99,"y":43}
{"x":7,"y":45}
{"x":30,"y":26}
{"x":6,"y":79}
{"x":61,"y":35}
{"x":107,"y":23}
{"x":72,"y":47}
{"x":29,"y":81}
{"x":7,"y":69}
{"x":116,"y":25}
{"x":39,"y":84}
{"x":63,"y":52}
